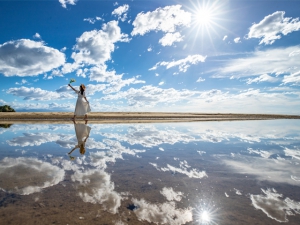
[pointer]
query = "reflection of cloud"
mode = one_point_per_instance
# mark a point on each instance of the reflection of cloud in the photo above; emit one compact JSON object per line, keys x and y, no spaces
{"x":150,"y":136}
{"x":192,"y":173}
{"x":272,"y":204}
{"x":264,"y":154}
{"x":265,"y":169}
{"x":28,"y":175}
{"x":36,"y":139}
{"x":285,"y":131}
{"x":171,"y":195}
{"x":165,"y":213}
{"x":114,"y":151}
{"x":238,"y":192}
{"x":96,"y":187}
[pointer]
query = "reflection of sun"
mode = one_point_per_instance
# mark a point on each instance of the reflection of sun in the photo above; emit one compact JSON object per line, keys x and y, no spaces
{"x":206,"y":215}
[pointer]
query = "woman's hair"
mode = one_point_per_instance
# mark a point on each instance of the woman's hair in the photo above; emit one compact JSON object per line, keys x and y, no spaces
{"x":82,"y":88}
{"x":82,"y":149}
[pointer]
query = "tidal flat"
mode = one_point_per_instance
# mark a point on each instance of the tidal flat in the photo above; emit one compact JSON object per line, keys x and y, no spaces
{"x":228,"y":172}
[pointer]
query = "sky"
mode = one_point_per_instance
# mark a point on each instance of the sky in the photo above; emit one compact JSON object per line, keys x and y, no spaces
{"x":226,"y":56}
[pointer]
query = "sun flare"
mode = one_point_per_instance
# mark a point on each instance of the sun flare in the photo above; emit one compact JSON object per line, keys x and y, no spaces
{"x":204,"y":16}
{"x":205,"y":216}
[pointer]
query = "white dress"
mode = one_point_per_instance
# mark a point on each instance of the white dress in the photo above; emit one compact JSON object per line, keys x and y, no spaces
{"x":82,"y":131}
{"x":82,"y":107}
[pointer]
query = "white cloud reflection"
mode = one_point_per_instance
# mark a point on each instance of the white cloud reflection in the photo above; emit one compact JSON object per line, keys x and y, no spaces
{"x":165,"y":213}
{"x":273,"y":170}
{"x":171,"y":195}
{"x":36,"y":139}
{"x":95,"y":186}
{"x":25,"y":176}
{"x":274,"y":206}
{"x":192,"y":173}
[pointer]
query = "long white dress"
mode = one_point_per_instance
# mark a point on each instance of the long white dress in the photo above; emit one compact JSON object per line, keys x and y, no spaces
{"x":82,"y":107}
{"x":82,"y":131}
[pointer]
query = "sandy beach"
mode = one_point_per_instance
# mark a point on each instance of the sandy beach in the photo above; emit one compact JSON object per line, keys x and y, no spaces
{"x":132,"y":117}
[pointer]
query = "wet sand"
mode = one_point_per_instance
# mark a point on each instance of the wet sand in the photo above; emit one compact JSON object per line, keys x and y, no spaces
{"x":133,"y":117}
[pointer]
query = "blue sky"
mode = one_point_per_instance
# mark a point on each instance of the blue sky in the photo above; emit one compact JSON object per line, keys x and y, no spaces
{"x":173,"y":56}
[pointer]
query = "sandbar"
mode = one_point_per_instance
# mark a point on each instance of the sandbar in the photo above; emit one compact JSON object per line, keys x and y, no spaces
{"x":133,"y":117}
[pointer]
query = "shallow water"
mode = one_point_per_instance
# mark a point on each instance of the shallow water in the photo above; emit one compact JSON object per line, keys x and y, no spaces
{"x":244,"y":172}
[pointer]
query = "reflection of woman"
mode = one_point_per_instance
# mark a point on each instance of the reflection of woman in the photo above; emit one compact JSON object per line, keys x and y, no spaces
{"x":82,"y":134}
{"x":82,"y":107}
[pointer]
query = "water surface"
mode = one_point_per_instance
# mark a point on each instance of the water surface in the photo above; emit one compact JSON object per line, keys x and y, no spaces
{"x":244,"y":172}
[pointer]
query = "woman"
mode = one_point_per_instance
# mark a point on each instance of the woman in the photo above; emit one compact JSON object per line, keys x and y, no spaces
{"x":82,"y":107}
{"x":82,"y":133}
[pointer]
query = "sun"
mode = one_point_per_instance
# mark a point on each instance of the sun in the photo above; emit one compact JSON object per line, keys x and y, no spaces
{"x":204,"y":16}
{"x":208,"y":18}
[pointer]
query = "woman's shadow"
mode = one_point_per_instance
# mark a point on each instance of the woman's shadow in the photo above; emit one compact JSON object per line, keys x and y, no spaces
{"x":82,"y":133}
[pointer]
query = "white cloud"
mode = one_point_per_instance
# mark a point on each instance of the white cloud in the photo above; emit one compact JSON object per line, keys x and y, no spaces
{"x":237,"y":40}
{"x":92,"y":20}
{"x":23,"y":81}
{"x":95,"y":47}
{"x":170,"y":38}
{"x":37,"y":106}
{"x":121,"y":12}
{"x":101,"y":74}
{"x":37,"y":36}
{"x":272,"y":26}
{"x":293,"y":78}
{"x":274,"y":206}
{"x":161,"y":83}
{"x":165,"y":213}
{"x":148,"y":96}
{"x":28,"y":58}
{"x":293,"y":153}
{"x":272,"y":61}
{"x":165,"y":19}
{"x":182,"y":64}
{"x":225,"y":37}
{"x":37,"y":94}
{"x":116,"y":83}
{"x":65,"y":2}
{"x":200,"y":79}
{"x":262,"y":78}
{"x":25,"y":176}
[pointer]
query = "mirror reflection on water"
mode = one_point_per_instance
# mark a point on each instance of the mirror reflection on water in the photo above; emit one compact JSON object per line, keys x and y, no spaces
{"x":244,"y":172}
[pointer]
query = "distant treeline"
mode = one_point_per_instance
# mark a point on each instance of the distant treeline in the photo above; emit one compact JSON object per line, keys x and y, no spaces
{"x":6,"y":108}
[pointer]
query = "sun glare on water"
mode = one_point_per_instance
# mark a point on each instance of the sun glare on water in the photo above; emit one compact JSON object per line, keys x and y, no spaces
{"x":205,"y":217}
